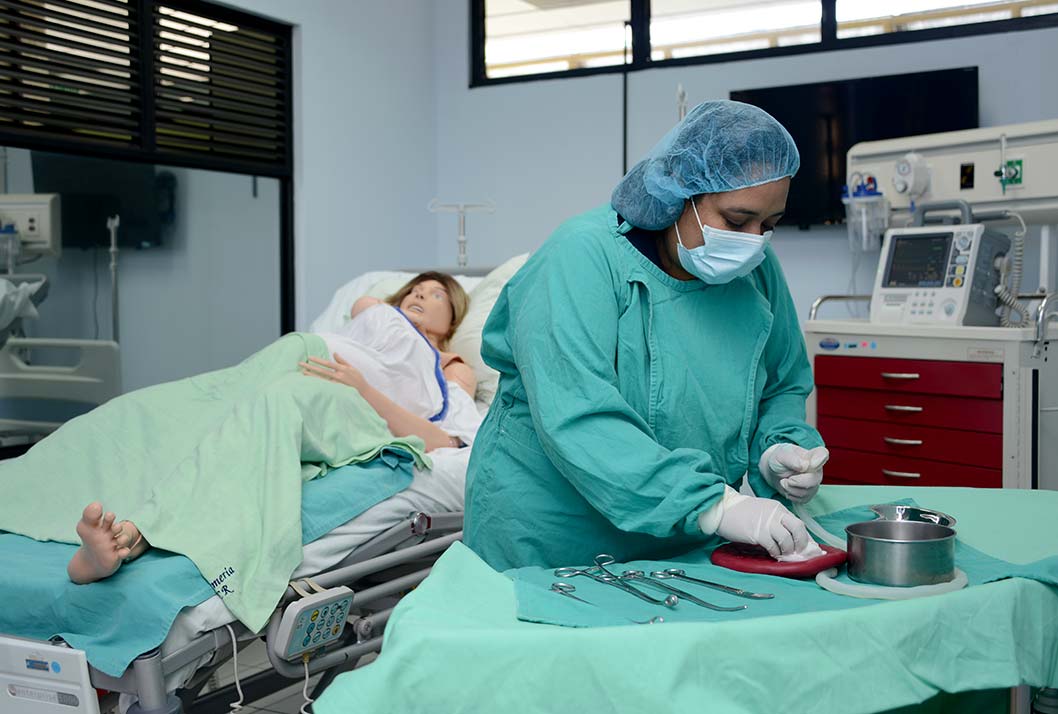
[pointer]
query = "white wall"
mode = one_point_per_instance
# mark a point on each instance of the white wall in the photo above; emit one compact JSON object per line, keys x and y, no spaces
{"x":541,"y":151}
{"x":206,"y":298}
{"x":546,"y":150}
{"x":210,"y":296}
{"x":364,"y":137}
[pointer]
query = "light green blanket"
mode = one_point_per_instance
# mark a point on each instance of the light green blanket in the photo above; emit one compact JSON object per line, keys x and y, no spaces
{"x":210,"y":467}
{"x":481,"y":658}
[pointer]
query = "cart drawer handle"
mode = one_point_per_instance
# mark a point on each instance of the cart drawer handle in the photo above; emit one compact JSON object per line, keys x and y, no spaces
{"x":900,"y":474}
{"x":900,"y":375}
{"x":902,"y":408}
{"x":902,"y":442}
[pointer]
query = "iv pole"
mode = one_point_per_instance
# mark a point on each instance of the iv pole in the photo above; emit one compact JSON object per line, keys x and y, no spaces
{"x":462,"y":209}
{"x":112,"y":225}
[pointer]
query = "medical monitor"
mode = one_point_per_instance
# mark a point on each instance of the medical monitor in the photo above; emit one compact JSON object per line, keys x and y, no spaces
{"x":94,"y":189}
{"x":826,"y":119}
{"x":919,"y":261}
{"x":939,"y":275}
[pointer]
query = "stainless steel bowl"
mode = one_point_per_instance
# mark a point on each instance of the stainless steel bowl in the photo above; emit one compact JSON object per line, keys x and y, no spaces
{"x":894,"y":512}
{"x":900,"y":553}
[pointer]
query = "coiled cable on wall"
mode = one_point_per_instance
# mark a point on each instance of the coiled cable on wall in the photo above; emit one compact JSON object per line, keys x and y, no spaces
{"x":1010,"y":275}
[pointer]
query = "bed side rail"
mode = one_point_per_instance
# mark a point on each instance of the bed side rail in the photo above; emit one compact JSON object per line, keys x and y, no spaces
{"x":94,"y":379}
{"x":417,"y":541}
{"x":350,"y":574}
{"x":416,"y":528}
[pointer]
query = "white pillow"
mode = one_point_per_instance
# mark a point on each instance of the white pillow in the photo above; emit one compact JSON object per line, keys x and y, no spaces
{"x":337,"y":312}
{"x":376,"y":283}
{"x":467,"y":340}
{"x":388,"y":286}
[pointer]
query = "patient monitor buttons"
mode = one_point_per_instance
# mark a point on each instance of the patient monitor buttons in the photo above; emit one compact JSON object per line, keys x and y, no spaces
{"x":922,"y":303}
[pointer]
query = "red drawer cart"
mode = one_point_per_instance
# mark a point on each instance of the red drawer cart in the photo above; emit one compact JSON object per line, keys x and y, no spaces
{"x":928,"y":406}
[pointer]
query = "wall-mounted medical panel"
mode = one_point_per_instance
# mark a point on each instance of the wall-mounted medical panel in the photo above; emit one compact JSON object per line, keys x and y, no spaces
{"x":1012,"y":167}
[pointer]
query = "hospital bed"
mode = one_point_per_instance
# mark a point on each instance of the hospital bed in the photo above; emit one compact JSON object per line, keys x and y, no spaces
{"x":876,"y":657}
{"x":380,"y":555}
{"x":35,"y":399}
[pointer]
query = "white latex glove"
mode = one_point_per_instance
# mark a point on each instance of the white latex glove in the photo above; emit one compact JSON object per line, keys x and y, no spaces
{"x":763,"y":522}
{"x":793,"y":471}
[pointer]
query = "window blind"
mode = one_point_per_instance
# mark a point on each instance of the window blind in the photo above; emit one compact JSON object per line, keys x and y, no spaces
{"x":220,"y":89}
{"x":184,"y":82}
{"x":69,"y":69}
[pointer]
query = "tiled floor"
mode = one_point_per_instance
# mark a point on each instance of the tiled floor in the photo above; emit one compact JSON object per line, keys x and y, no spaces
{"x":285,"y":701}
{"x":253,"y":659}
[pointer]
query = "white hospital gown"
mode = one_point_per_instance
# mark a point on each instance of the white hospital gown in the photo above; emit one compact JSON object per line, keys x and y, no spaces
{"x":399,"y":362}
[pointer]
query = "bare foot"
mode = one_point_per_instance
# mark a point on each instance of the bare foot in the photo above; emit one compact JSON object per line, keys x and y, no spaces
{"x":105,"y":545}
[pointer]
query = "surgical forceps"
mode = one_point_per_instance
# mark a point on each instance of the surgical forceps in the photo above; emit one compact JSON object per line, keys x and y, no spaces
{"x":640,"y":576}
{"x":608,"y":578}
{"x":568,"y":590}
{"x":682,"y":575}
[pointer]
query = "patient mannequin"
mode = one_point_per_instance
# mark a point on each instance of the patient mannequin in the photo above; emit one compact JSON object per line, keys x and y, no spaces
{"x":434,"y":303}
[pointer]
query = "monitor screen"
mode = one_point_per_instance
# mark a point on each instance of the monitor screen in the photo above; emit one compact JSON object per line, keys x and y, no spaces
{"x":93,"y":189}
{"x":918,"y":261}
{"x":826,"y":119}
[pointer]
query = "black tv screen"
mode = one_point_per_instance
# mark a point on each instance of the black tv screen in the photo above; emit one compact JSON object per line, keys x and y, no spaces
{"x":826,"y":119}
{"x":92,"y":189}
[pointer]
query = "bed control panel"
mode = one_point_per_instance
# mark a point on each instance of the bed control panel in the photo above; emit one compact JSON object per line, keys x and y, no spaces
{"x":43,"y":678}
{"x":313,"y":622}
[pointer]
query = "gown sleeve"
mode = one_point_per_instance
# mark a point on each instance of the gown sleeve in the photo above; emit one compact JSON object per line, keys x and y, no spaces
{"x":781,"y":411}
{"x":560,"y":320}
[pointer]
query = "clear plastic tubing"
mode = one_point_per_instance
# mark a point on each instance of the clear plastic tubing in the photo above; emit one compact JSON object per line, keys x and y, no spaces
{"x":821,"y":534}
{"x":826,"y":581}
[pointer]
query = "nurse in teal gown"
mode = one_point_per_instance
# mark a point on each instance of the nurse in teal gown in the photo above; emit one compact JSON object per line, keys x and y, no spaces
{"x":650,"y":357}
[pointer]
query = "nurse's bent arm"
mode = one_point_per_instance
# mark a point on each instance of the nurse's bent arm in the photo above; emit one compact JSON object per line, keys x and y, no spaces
{"x":781,"y":412}
{"x":563,"y":331}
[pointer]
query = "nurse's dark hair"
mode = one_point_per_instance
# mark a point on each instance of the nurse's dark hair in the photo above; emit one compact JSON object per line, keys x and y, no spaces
{"x":457,"y":297}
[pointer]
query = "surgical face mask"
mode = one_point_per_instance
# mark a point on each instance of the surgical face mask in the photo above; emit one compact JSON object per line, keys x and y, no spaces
{"x":724,"y":255}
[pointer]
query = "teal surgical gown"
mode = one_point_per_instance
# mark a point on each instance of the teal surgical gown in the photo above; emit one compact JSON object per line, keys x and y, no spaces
{"x":627,"y":400}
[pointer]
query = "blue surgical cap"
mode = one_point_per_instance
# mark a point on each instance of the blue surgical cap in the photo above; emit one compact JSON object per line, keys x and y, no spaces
{"x":719,"y":146}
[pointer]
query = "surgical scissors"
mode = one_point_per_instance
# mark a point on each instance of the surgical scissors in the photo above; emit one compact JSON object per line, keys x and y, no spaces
{"x":568,"y":590}
{"x":640,"y":576}
{"x":682,"y":575}
{"x":601,"y":561}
